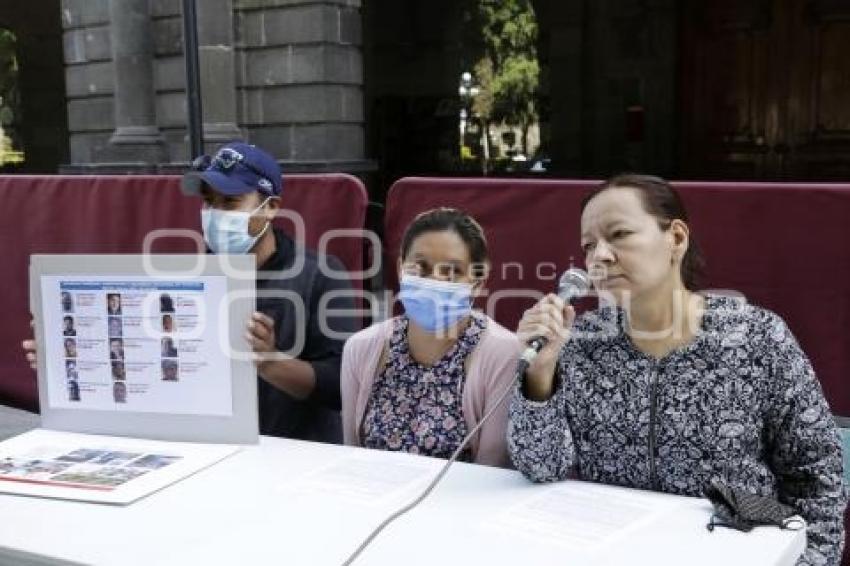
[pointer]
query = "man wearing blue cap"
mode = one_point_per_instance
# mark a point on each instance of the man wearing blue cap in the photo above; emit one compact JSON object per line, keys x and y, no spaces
{"x":298,"y":398}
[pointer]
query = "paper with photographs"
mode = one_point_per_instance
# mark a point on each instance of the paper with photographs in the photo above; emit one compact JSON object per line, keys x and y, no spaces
{"x":104,"y":469}
{"x":137,"y":344}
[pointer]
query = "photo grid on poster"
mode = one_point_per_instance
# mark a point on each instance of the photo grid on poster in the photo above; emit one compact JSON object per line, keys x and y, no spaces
{"x":137,"y":345}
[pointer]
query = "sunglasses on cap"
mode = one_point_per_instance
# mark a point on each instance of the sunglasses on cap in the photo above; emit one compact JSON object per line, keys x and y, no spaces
{"x":225,"y":160}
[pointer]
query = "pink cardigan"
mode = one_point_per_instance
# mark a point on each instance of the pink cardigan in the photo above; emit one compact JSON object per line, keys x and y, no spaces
{"x":490,"y":368}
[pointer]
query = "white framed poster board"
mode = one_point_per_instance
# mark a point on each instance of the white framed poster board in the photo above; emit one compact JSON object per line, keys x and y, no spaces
{"x":147,"y":346}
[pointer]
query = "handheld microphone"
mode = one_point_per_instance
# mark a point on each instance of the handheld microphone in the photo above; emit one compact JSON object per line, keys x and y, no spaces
{"x":573,"y":284}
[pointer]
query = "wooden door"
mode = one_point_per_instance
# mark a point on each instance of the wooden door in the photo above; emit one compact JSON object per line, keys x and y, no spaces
{"x":763,"y":89}
{"x":819,"y":92}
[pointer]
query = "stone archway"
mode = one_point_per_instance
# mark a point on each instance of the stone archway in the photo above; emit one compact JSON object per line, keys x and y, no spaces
{"x":412,"y":61}
{"x":415,"y":53}
{"x":609,"y":69}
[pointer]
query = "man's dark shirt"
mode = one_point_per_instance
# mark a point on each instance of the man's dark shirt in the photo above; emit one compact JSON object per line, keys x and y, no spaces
{"x":317,"y":417}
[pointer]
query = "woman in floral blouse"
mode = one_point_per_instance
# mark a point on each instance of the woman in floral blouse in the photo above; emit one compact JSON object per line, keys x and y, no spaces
{"x":421,"y":381}
{"x":663,"y":388}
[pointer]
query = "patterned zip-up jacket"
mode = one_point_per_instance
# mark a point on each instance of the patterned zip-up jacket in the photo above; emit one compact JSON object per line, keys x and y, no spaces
{"x":739,"y":403}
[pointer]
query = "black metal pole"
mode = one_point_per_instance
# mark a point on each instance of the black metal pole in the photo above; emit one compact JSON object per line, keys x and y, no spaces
{"x":193,"y":79}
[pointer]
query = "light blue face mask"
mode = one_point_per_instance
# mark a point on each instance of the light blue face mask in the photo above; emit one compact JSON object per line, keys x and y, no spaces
{"x":226,"y":231}
{"x":434,"y":305}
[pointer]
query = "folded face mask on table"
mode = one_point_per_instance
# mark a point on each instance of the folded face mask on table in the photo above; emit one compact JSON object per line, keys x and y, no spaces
{"x":740,"y":510}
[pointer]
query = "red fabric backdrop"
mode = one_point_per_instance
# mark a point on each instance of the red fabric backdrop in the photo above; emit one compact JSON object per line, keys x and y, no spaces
{"x":112,"y":214}
{"x":784,"y":246}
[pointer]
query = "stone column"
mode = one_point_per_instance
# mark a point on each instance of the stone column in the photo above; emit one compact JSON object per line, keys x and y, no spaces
{"x":137,"y":137}
{"x":218,"y":72}
{"x":301,"y":79}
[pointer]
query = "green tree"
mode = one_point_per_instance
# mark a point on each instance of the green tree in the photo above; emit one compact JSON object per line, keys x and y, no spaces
{"x":511,"y":74}
{"x":483,"y":104}
{"x":508,"y":27}
{"x":9,"y":97}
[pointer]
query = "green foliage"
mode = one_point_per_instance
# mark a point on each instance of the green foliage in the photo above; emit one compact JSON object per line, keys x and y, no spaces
{"x":483,"y":104}
{"x":514,"y":90}
{"x":9,"y":97}
{"x":507,"y":73}
{"x":509,"y":28}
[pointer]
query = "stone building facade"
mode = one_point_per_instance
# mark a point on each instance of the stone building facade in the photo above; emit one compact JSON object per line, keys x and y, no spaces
{"x":289,"y":75}
{"x":286,"y":74}
{"x":712,"y":89}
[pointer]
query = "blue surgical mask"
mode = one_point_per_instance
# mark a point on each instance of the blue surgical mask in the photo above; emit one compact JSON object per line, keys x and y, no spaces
{"x":226,"y":231}
{"x":434,"y":305}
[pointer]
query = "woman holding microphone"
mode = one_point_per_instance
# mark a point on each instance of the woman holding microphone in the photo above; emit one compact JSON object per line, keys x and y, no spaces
{"x":666,"y":389}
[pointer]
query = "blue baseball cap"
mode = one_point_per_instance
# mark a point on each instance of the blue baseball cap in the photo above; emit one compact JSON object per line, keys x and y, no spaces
{"x":236,"y":168}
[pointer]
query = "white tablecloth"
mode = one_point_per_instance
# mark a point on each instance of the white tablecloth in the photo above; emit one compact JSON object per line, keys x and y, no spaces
{"x":290,"y":503}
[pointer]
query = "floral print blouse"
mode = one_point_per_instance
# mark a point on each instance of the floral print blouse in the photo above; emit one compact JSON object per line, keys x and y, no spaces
{"x":416,"y":408}
{"x":740,"y":403}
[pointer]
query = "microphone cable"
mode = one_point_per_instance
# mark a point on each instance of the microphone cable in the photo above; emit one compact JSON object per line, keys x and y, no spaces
{"x":573,"y":283}
{"x":522,"y":366}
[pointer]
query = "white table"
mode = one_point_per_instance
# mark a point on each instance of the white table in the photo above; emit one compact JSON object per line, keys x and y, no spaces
{"x":262,"y":506}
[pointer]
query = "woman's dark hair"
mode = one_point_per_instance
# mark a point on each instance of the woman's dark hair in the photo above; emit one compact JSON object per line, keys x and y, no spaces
{"x":449,"y":220}
{"x":663,"y":202}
